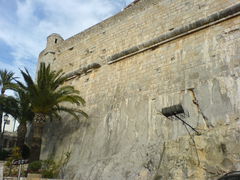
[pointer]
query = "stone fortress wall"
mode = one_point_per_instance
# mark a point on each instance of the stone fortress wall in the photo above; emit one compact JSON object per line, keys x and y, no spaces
{"x":154,"y":54}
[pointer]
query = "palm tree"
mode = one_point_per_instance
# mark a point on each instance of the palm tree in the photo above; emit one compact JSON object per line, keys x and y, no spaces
{"x":6,"y":78}
{"x":24,"y":114}
{"x":47,"y":96}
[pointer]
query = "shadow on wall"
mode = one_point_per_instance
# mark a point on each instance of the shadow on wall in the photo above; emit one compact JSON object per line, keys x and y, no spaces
{"x":56,"y":131}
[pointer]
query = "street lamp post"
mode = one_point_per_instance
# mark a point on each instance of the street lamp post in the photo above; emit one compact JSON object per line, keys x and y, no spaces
{"x":6,"y":121}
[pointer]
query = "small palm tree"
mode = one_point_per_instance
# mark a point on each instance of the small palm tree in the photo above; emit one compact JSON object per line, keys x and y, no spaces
{"x":23,"y":115}
{"x":47,"y":96}
{"x":6,"y":78}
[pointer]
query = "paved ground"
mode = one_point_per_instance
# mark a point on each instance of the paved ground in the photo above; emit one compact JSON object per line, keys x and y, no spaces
{"x":1,"y":170}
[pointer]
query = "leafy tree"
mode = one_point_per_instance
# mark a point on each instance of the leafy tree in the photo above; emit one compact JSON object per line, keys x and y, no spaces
{"x":20,"y":108}
{"x":47,"y":98}
{"x":6,"y":78}
{"x":8,"y":104}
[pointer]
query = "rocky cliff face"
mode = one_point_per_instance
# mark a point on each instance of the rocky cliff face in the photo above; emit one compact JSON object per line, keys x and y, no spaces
{"x":127,"y":136}
{"x":134,"y":141}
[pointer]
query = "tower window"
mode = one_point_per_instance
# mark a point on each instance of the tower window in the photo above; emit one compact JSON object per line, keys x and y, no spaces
{"x":55,"y":41}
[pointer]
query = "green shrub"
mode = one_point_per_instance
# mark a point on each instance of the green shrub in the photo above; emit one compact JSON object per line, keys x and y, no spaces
{"x":48,"y":174}
{"x":15,"y":154}
{"x":35,"y":167}
{"x":49,"y":168}
{"x":52,"y":169}
{"x":4,"y":155}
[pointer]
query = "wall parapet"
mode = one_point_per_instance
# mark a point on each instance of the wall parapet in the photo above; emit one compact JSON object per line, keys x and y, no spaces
{"x":83,"y":70}
{"x":177,"y":33}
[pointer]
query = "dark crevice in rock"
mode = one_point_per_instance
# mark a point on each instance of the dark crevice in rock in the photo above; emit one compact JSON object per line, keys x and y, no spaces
{"x":70,"y":49}
{"x":149,"y":165}
{"x":158,"y":176}
{"x":223,"y":148}
{"x":195,"y":101}
{"x":51,"y":52}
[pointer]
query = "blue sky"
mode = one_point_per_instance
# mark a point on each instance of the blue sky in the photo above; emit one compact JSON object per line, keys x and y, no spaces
{"x":25,"y":24}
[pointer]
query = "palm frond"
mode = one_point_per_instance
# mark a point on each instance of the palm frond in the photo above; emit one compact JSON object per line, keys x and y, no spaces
{"x":49,"y":92}
{"x":6,"y":78}
{"x":72,"y":111}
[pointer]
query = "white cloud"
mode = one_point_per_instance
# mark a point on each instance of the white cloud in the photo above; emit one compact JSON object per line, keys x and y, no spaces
{"x":25,"y":30}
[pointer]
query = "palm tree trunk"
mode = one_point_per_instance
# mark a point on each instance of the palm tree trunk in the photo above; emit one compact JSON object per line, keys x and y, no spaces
{"x":21,"y":133}
{"x":1,"y":113}
{"x":35,"y":145}
{"x":1,"y":135}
